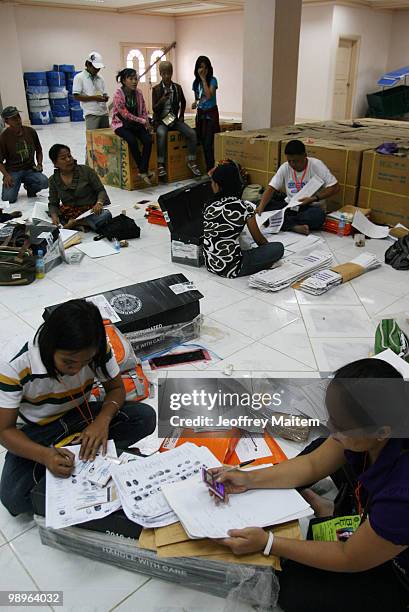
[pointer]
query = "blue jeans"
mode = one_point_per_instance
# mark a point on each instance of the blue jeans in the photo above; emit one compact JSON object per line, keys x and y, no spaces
{"x":313,"y":216}
{"x":133,"y":422}
{"x":95,"y":221}
{"x":33,"y":183}
{"x":183,"y":128}
{"x":260,"y":258}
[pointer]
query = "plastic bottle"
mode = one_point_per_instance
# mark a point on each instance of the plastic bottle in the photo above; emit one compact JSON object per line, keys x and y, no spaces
{"x":40,"y":265}
{"x":116,"y":245}
{"x":341,"y":225}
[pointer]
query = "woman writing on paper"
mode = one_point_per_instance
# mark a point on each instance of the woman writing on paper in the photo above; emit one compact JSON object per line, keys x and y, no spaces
{"x":367,"y":404}
{"x":225,"y":217}
{"x":75,"y":189}
{"x":47,"y":382}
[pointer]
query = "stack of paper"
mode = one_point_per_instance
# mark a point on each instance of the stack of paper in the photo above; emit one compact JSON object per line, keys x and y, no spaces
{"x":288,"y":272}
{"x":321,"y":282}
{"x":82,"y":497}
{"x":201,"y":517}
{"x":140,"y":483}
{"x":324,"y":280}
{"x":70,"y":237}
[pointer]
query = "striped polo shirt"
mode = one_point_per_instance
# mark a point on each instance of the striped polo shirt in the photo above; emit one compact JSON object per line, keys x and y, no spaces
{"x":25,"y":384}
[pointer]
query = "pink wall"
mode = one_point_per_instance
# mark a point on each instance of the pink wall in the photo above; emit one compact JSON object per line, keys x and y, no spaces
{"x":63,"y":36}
{"x":219,"y":37}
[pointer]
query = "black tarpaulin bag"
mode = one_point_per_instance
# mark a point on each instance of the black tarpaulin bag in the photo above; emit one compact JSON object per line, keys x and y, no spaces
{"x":120,"y":227}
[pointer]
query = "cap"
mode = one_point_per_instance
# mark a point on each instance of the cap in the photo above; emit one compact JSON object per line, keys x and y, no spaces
{"x":9,"y":111}
{"x":95,"y":59}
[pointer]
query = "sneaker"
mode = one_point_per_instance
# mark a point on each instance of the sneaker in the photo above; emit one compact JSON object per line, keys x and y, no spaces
{"x":144,"y":176}
{"x":161,"y":171}
{"x":194,"y":168}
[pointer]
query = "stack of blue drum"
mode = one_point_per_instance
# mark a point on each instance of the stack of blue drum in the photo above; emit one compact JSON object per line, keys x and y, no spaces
{"x":58,"y":96}
{"x":37,"y":92}
{"x":75,"y":107}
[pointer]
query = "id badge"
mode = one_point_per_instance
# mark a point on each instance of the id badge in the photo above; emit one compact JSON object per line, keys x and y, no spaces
{"x":338,"y":529}
{"x":169,"y":119}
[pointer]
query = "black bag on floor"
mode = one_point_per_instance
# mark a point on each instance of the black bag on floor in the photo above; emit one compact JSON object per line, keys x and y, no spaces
{"x":120,"y":227}
{"x":397,"y":255}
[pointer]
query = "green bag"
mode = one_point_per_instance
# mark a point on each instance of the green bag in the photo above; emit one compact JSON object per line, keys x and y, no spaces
{"x":17,"y":266}
{"x":389,"y":335}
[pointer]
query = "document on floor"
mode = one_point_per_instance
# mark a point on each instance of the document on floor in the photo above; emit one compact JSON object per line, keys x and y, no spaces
{"x":140,"y":483}
{"x":366,"y":227}
{"x":39,"y":213}
{"x":99,"y":248}
{"x":201,"y":517}
{"x":75,"y":500}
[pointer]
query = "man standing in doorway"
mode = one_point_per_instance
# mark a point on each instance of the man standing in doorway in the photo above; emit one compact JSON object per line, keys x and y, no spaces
{"x":21,"y":158}
{"x":89,"y":88}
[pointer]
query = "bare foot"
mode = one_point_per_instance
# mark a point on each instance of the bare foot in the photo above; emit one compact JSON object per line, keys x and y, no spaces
{"x":322,"y":506}
{"x":301,"y":229}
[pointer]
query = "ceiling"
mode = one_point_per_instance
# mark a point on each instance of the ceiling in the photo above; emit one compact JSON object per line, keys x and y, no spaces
{"x":189,"y":7}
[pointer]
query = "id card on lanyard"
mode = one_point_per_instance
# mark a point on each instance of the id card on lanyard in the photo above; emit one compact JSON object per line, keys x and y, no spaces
{"x":299,"y":184}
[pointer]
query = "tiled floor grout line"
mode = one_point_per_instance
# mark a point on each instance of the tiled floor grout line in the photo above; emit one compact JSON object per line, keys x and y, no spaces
{"x":25,"y":569}
{"x":130,"y":595}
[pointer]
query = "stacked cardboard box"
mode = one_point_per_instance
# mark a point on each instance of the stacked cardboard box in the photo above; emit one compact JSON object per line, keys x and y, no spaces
{"x":385,"y":188}
{"x":176,"y":157}
{"x":111,"y":159}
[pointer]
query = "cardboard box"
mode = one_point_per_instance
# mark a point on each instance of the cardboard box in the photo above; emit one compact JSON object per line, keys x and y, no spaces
{"x":176,"y":158}
{"x":257,"y":152}
{"x":151,"y":305}
{"x":47,"y":239}
{"x":111,"y":159}
{"x":386,"y":208}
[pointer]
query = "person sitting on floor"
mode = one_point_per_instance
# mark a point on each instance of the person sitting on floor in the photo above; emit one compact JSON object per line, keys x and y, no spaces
{"x":293,"y":175}
{"x":225,"y":217}
{"x":169,"y":105}
{"x":21,"y":158}
{"x":366,"y":568}
{"x":47,"y":382}
{"x":75,"y":189}
{"x":130,"y":120}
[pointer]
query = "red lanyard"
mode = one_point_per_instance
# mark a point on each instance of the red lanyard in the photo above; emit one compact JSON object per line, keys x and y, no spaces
{"x":299,"y":184}
{"x":358,"y":489}
{"x":87,"y":405}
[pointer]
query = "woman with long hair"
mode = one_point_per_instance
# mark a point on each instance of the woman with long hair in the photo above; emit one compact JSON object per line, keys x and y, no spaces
{"x":207,"y":117}
{"x":130,"y":120}
{"x":47,"y":382}
{"x":225,"y":217}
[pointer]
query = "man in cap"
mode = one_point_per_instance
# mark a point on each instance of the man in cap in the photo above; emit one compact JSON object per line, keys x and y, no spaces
{"x":89,"y":88}
{"x":21,"y":158}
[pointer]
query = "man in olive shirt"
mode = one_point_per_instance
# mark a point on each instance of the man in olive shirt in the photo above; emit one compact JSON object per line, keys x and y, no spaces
{"x":74,"y":190}
{"x":21,"y":158}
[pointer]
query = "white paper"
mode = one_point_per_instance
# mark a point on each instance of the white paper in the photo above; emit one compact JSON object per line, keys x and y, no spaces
{"x":310,"y":189}
{"x":182,"y":287}
{"x":203,"y":518}
{"x":98,"y":248}
{"x":67,"y":234}
{"x":39,"y":212}
{"x":74,"y":500}
{"x":105,"y":308}
{"x":140,"y":483}
{"x":397,"y":362}
{"x":249,"y":447}
{"x":87,"y":213}
{"x":182,"y":249}
{"x":366,"y":227}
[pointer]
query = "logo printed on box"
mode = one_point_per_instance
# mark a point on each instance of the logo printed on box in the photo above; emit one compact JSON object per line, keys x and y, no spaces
{"x":126,"y":304}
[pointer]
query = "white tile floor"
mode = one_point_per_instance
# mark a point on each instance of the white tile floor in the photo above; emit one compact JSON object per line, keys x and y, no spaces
{"x":287,"y":333}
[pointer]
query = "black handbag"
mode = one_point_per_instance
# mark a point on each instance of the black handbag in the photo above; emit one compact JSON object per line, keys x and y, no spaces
{"x":397,"y":255}
{"x":120,"y":227}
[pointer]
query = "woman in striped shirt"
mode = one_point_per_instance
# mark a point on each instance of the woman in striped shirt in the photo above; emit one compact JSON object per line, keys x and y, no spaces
{"x":48,"y":382}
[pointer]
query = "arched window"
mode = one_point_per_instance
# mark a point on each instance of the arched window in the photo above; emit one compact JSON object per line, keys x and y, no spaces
{"x":136,"y":60}
{"x":154,"y":70}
